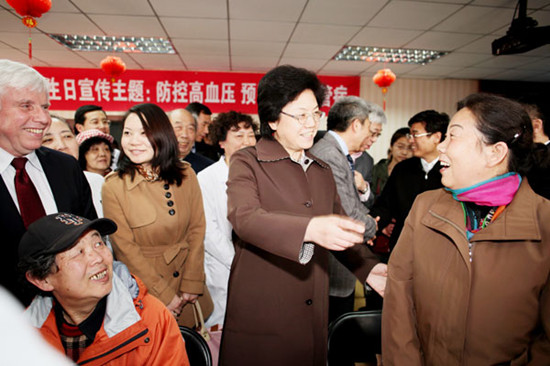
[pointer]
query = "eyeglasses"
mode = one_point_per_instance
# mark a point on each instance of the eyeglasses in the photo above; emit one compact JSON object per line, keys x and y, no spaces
{"x":302,"y":118}
{"x":375,"y":134}
{"x":417,"y":135}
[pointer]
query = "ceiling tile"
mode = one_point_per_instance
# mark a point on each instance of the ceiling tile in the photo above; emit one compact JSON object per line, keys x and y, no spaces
{"x":306,"y":63}
{"x":207,"y":63}
{"x":412,"y":15}
{"x":96,"y":57}
{"x":158,"y":62}
{"x":323,"y":34}
{"x":477,"y":19}
{"x":345,"y":12}
{"x":256,"y":48}
{"x":313,"y":51}
{"x":531,"y":4}
{"x":345,"y":67}
{"x":197,"y":28}
{"x":121,"y":7}
{"x":461,"y":59}
{"x":280,"y":10}
{"x":398,"y":69}
{"x":540,"y":65}
{"x":254,"y":63}
{"x":383,"y":37}
{"x":40,"y":41}
{"x":16,"y":55}
{"x":63,"y":59}
{"x":441,"y":41}
{"x":201,"y":47}
{"x":121,"y":25}
{"x":505,"y":62}
{"x":68,"y":23}
{"x":63,"y":6}
{"x":434,"y":70}
{"x":482,"y":45}
{"x":516,"y":74}
{"x":11,"y":22}
{"x":473,"y":73}
{"x":254,"y":30}
{"x":191,"y":8}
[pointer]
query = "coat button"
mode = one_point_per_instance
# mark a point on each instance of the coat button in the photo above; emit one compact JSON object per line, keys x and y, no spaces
{"x":146,"y":340}
{"x":170,"y":203}
{"x":167,"y":186}
{"x":172,"y":212}
{"x":168,"y":195}
{"x":306,"y":161}
{"x":309,"y":302}
{"x":176,"y":274}
{"x":307,"y":204}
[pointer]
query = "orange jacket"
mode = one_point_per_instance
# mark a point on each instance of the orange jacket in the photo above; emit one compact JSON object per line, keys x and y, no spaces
{"x":134,"y":332}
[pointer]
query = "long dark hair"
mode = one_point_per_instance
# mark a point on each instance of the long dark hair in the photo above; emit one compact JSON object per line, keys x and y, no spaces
{"x":160,"y":133}
{"x":501,"y":119}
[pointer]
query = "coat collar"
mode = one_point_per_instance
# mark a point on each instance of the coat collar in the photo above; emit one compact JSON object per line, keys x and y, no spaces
{"x":271,"y":150}
{"x":517,"y":222}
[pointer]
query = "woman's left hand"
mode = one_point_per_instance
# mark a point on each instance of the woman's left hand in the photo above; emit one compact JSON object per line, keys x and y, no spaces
{"x":189,"y":298}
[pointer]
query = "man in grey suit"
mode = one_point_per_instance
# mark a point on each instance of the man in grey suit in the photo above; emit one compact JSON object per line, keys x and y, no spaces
{"x":348,"y":126}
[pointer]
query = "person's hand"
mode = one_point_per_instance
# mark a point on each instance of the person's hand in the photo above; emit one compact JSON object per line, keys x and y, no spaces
{"x":175,"y":305}
{"x":377,"y":278}
{"x":334,"y":232}
{"x":189,"y":298}
{"x":389,"y":229}
{"x":360,"y":183}
{"x":371,"y":240}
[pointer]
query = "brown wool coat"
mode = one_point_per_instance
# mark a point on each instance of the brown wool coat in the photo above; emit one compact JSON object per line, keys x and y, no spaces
{"x":440,"y":309}
{"x":166,"y":251}
{"x":277,"y":310}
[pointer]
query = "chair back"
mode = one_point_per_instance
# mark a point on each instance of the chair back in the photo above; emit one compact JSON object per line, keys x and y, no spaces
{"x":196,"y":347}
{"x":355,"y":337}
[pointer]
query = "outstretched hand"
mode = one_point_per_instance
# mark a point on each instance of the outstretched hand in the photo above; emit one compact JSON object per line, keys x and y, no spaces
{"x":377,"y":278}
{"x":334,"y":232}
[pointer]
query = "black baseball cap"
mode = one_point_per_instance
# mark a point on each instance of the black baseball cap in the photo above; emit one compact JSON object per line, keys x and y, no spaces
{"x":55,"y":233}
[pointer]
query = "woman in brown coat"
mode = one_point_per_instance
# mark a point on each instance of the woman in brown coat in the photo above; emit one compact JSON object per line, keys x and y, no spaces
{"x":156,"y":202}
{"x":469,"y":279}
{"x":285,"y":210}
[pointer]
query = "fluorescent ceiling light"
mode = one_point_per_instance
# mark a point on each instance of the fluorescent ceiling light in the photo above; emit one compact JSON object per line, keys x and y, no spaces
{"x":115,"y":44}
{"x":388,"y":55}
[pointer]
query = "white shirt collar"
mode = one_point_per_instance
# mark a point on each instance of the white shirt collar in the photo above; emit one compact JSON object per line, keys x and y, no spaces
{"x":341,"y":142}
{"x":6,"y":159}
{"x":428,"y":166}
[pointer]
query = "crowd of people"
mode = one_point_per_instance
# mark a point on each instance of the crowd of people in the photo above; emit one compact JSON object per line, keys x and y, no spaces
{"x":267,"y":228}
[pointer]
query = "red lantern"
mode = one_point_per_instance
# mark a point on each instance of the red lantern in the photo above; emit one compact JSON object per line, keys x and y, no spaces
{"x":113,"y":66}
{"x":384,"y":78}
{"x":29,"y":10}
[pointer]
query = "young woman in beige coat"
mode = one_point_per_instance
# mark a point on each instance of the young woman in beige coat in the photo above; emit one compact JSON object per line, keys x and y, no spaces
{"x":156,"y":202}
{"x":469,"y":279}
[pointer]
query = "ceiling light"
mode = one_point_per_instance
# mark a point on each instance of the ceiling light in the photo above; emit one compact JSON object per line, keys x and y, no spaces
{"x":388,"y":55}
{"x":127,"y":44}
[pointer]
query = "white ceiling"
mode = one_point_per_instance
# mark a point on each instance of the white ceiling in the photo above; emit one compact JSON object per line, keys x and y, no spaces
{"x":256,"y":35}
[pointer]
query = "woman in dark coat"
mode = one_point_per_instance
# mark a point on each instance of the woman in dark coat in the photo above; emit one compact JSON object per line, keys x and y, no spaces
{"x":285,"y":210}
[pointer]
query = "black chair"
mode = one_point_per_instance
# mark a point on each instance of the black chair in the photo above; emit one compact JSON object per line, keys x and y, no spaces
{"x":196,"y":347}
{"x":355,"y":337}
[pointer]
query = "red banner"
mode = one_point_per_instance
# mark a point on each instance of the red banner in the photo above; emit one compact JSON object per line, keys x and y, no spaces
{"x":220,"y":91}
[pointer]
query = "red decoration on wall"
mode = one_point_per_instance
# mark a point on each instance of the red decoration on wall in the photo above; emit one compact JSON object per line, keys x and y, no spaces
{"x":113,"y":66}
{"x":384,"y":78}
{"x":29,"y":10}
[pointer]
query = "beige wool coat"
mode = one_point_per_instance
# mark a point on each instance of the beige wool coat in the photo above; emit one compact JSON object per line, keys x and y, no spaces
{"x":442,"y":309}
{"x":160,"y":235}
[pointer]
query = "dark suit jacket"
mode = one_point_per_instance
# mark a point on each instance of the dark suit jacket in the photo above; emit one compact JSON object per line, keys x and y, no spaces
{"x":342,"y":281}
{"x":539,"y":176}
{"x":406,"y":181}
{"x":365,"y":165}
{"x":71,"y":193}
{"x":198,"y":162}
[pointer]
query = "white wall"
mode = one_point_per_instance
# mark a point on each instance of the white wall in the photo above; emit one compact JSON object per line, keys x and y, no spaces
{"x":407,"y":97}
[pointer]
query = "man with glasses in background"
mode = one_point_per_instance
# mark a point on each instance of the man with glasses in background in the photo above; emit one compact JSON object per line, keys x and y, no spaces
{"x":413,"y":176}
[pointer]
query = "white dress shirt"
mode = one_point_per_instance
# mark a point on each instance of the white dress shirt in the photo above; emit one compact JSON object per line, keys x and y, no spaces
{"x":37,"y":176}
{"x":218,"y":247}
{"x":96,"y":183}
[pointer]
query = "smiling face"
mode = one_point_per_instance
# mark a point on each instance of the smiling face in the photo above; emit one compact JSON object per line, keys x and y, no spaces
{"x":84,"y":272}
{"x":237,"y":138}
{"x":60,"y":137}
{"x":294,"y":137}
{"x":24,"y":118}
{"x":465,"y":158}
{"x":135,"y":143}
{"x":98,"y":158}
{"x":425,"y":146}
